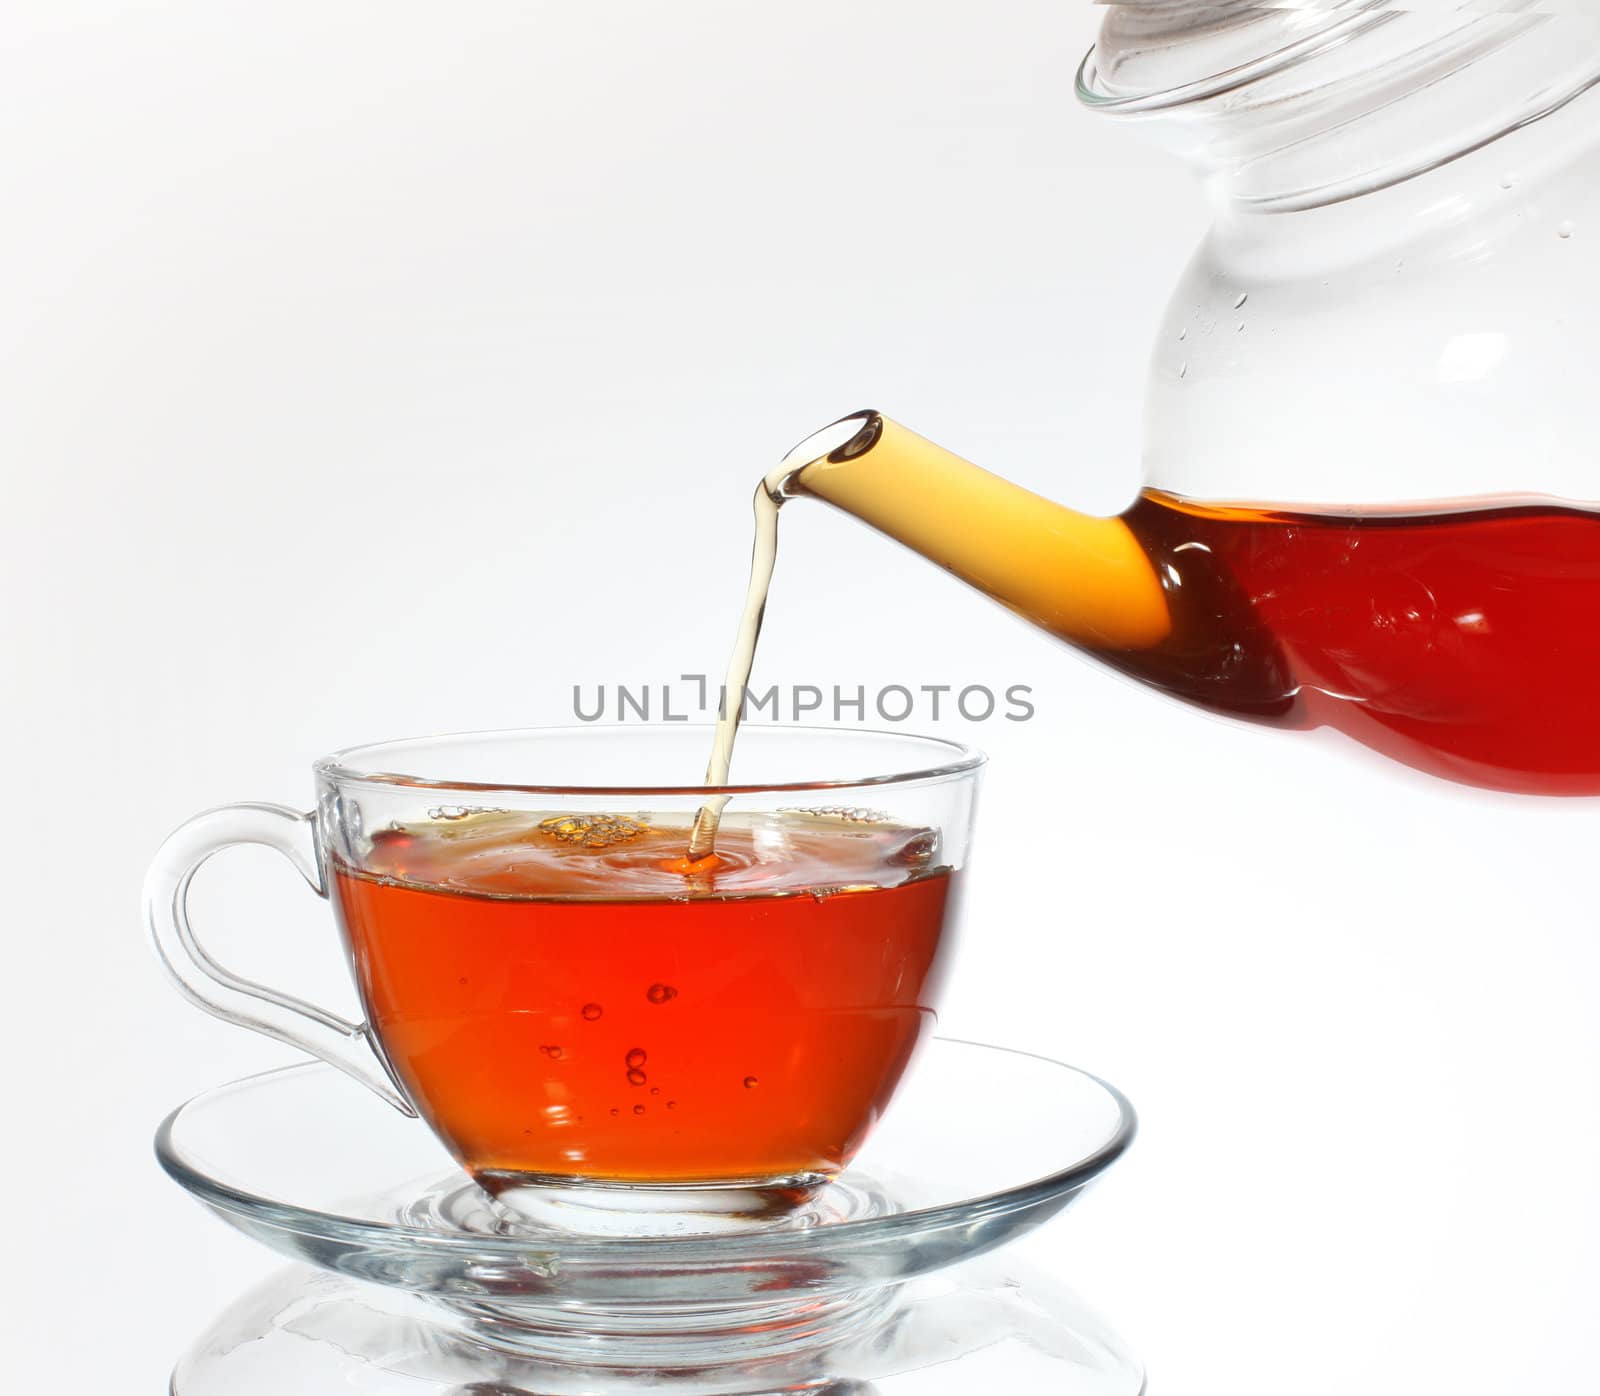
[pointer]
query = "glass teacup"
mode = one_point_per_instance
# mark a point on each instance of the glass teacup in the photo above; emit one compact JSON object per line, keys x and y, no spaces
{"x":593,"y":1024}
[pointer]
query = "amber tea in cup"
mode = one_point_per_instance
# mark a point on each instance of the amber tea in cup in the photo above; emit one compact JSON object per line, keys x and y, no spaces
{"x":562,"y":997}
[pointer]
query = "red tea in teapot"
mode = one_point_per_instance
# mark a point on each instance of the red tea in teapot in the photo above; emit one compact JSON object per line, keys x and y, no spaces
{"x":1460,"y":642}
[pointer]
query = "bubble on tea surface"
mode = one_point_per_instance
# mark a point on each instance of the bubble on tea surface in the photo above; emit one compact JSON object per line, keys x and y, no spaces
{"x":637,"y":1077}
{"x":661,"y":993}
{"x":636,"y":1058}
{"x":833,"y":889}
{"x":843,"y":814}
{"x":750,"y":1083}
{"x":594,"y":830}
{"x":449,"y":812}
{"x":591,"y":1011}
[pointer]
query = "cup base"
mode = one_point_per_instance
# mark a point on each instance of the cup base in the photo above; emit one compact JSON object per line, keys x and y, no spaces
{"x":596,"y":1207}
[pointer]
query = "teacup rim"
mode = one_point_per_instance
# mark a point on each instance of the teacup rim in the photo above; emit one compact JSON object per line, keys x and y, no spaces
{"x":340,"y":768}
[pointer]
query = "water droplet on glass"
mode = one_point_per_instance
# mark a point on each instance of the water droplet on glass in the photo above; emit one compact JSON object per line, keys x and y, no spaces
{"x":615,"y":1111}
{"x":1183,"y":334}
{"x":1239,"y":328}
{"x":750,"y":1083}
{"x":462,"y":980}
{"x":638,"y":1109}
{"x":1184,"y":371}
{"x":672,"y":1105}
{"x":655,"y":1090}
{"x":591,"y":1011}
{"x":1507,"y":182}
{"x":1239,"y":304}
{"x":661,"y":993}
{"x":552,"y":1051}
{"x":636,"y":1058}
{"x":1566,"y":230}
{"x":637,"y":1077}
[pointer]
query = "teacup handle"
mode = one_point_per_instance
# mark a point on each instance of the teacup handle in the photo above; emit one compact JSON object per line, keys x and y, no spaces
{"x":348,"y":1046}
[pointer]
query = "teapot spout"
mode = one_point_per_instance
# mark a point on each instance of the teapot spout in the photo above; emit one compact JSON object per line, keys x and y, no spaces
{"x":1083,"y":578}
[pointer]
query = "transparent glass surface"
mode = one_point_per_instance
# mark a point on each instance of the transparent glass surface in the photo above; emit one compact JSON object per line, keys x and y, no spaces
{"x":1393,"y":302}
{"x":983,"y":1145}
{"x":983,"y":1327}
{"x":654,"y":762}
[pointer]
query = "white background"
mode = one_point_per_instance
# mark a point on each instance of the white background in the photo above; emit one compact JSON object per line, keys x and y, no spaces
{"x":372,"y":369}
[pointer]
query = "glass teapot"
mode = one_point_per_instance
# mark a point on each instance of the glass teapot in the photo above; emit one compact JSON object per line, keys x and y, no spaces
{"x":1372,"y":445}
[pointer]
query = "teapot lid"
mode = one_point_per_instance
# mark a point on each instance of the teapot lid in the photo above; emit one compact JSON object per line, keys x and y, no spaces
{"x":1153,"y":54}
{"x":1400,"y":86}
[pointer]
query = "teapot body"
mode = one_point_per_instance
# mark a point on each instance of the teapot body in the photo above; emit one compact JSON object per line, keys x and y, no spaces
{"x":1433,"y":342}
{"x":1395,"y":302}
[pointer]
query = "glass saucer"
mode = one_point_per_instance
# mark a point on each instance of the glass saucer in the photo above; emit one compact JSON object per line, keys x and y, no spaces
{"x":981,"y":1145}
{"x":984,"y":1326}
